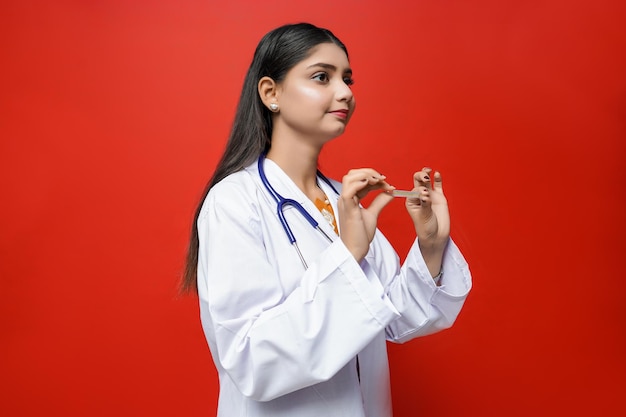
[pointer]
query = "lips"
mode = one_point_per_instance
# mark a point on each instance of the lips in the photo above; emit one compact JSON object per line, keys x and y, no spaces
{"x":342,"y":113}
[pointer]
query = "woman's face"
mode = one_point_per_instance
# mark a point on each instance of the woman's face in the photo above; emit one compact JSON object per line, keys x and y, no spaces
{"x":315,"y":97}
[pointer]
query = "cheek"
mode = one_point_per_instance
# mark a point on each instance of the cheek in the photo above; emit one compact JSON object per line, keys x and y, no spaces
{"x":310,"y":94}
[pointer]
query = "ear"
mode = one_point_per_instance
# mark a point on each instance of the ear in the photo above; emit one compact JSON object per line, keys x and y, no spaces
{"x":268,"y":92}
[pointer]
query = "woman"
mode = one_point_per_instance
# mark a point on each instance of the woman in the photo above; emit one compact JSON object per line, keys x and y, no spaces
{"x":301,"y":330}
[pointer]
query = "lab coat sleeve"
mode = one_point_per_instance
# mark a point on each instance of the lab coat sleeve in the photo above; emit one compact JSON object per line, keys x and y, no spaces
{"x":424,"y":307}
{"x":268,"y":342}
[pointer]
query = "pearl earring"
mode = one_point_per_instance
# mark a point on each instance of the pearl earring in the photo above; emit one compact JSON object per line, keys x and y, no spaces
{"x":274,"y":107}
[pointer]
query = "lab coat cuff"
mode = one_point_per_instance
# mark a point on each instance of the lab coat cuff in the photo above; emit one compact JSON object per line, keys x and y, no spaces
{"x":456,"y":279}
{"x":363,"y":281}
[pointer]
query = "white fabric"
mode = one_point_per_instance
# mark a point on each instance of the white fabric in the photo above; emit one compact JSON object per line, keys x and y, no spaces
{"x":285,"y":340}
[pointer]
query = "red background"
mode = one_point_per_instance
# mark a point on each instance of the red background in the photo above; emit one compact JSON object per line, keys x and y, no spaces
{"x":113,"y":115}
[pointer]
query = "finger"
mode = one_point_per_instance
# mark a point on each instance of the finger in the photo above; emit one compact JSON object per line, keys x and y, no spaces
{"x":425,"y":197}
{"x":438,"y":184}
{"x":361,"y":178}
{"x":423,"y":200}
{"x":380,"y":185}
{"x":361,"y":188}
{"x":379,"y":203}
{"x":363,"y":174}
{"x":359,"y":182}
{"x":422,"y":178}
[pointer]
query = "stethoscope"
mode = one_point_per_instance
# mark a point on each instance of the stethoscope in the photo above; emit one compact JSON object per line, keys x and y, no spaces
{"x":281,"y":202}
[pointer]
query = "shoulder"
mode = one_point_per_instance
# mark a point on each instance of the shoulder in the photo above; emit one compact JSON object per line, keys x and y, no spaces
{"x":235,"y":194}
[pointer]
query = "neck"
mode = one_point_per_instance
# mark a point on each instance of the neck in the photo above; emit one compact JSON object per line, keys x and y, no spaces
{"x":299,"y":161}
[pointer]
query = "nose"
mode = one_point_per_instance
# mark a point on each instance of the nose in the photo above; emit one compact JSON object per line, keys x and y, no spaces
{"x":344,"y":92}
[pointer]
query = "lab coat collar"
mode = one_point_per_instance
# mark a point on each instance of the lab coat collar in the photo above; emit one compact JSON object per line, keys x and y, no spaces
{"x":285,"y":186}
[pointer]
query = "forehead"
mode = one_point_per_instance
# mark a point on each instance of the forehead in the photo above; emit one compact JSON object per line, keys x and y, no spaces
{"x":326,"y":53}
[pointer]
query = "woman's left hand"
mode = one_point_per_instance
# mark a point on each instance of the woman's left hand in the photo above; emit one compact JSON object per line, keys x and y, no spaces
{"x":430,"y":217}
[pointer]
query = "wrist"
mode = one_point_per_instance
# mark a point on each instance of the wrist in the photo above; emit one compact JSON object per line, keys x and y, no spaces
{"x":431,"y":247}
{"x":433,"y":257}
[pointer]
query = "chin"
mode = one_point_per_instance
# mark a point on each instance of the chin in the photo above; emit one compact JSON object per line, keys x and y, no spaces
{"x":336,"y":133}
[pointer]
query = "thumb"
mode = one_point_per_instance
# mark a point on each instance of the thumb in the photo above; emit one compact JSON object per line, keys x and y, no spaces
{"x":379,"y":203}
{"x":438,"y":182}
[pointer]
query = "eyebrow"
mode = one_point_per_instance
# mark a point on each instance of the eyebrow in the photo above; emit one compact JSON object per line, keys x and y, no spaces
{"x":329,"y":67}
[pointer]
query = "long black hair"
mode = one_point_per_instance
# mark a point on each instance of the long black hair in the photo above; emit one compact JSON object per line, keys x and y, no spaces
{"x":251,"y":132}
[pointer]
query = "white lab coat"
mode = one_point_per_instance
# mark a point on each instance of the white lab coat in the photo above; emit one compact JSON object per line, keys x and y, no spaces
{"x":284,"y":340}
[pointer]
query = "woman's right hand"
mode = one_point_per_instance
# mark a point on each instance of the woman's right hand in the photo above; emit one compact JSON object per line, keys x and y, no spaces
{"x":357,"y":225}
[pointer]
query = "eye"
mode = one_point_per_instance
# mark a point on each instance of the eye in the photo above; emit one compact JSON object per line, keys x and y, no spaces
{"x":321,"y":76}
{"x":348,"y":80}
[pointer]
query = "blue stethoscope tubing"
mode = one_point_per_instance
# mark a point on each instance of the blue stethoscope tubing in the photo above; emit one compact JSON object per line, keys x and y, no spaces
{"x":281,"y":202}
